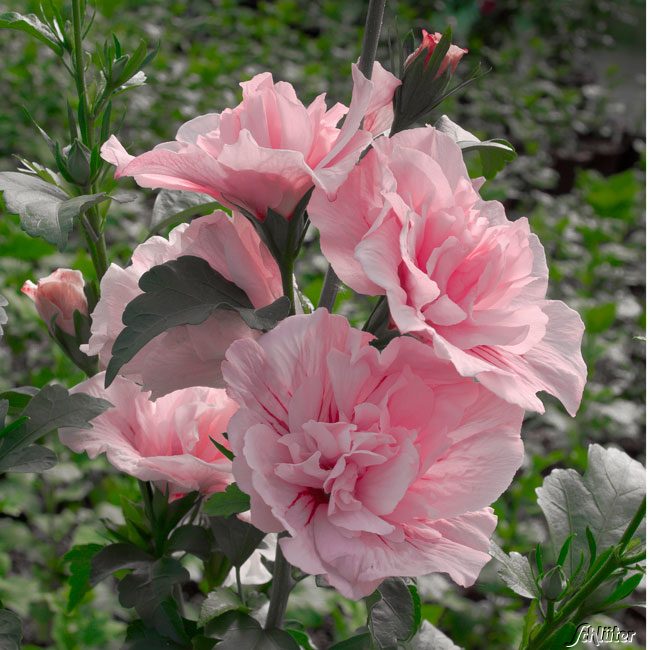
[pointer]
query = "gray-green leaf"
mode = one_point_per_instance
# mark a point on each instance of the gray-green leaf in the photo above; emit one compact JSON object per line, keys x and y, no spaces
{"x":605,"y":500}
{"x":175,"y":206}
{"x":431,"y":638}
{"x":11,"y":630}
{"x":395,"y":617}
{"x":45,"y":210}
{"x":30,"y":24}
{"x":514,"y":569}
{"x":3,"y":314}
{"x":494,"y":154}
{"x":185,"y":291}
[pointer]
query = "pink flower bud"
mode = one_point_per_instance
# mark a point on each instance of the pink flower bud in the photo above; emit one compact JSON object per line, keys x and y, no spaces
{"x":429,"y":44}
{"x":57,"y":297}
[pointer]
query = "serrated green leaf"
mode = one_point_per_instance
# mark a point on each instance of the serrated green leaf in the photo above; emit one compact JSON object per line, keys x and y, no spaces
{"x":150,"y":584}
{"x":79,"y":558}
{"x":115,"y":558}
{"x":191,"y":539}
{"x":44,"y":209}
{"x":235,"y":538}
{"x":33,"y":458}
{"x":218,"y":602}
{"x":515,"y":570}
{"x":185,"y":291}
{"x":51,"y":408}
{"x":231,"y":502}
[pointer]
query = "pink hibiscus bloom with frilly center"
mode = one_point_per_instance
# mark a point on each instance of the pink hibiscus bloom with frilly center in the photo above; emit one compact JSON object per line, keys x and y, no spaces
{"x":167,"y":441}
{"x":187,"y":355}
{"x":268,"y":151}
{"x":409,"y":224}
{"x":377,"y":464}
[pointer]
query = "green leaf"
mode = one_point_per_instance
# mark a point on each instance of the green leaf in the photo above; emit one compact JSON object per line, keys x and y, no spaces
{"x":116,"y":557}
{"x":80,"y":558}
{"x":18,"y":398}
{"x":515,"y":570}
{"x":51,"y":408}
{"x":358,"y":642}
{"x":530,"y":622}
{"x":30,"y":24}
{"x":494,"y":154}
{"x":605,"y":500}
{"x":564,"y":551}
{"x":301,"y":638}
{"x":141,"y":637}
{"x":235,"y":538}
{"x":431,"y":638}
{"x":11,"y":630}
{"x":625,"y":588}
{"x":185,"y":291}
{"x":176,"y":206}
{"x":44,"y":209}
{"x":393,"y":618}
{"x":218,"y":602}
{"x":255,"y":638}
{"x":230,"y":502}
{"x":224,"y":450}
{"x":70,"y":209}
{"x":191,"y":539}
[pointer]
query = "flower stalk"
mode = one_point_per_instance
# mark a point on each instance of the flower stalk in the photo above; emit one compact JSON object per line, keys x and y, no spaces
{"x":374,"y":20}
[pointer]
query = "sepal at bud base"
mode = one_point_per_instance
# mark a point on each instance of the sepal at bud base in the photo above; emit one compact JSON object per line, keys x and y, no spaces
{"x":71,"y":343}
{"x":78,"y":163}
{"x":553,"y":583}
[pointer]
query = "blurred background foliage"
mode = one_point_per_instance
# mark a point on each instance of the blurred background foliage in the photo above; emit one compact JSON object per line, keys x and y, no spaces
{"x":566,"y":87}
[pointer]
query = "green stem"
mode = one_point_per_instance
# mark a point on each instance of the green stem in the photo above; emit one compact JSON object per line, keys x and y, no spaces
{"x":286,"y":271}
{"x":372,"y":31}
{"x":280,"y":589}
{"x":572,"y":605}
{"x":240,"y":591}
{"x":79,"y":76}
{"x":93,"y":228}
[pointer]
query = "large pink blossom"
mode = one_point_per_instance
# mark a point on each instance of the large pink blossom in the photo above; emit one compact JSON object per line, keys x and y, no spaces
{"x":269,"y":150}
{"x":377,"y":464}
{"x":57,"y":297}
{"x":409,"y":223}
{"x":188,"y":355}
{"x":166,"y":441}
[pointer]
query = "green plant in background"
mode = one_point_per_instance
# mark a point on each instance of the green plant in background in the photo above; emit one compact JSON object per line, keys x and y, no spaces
{"x":594,"y":232}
